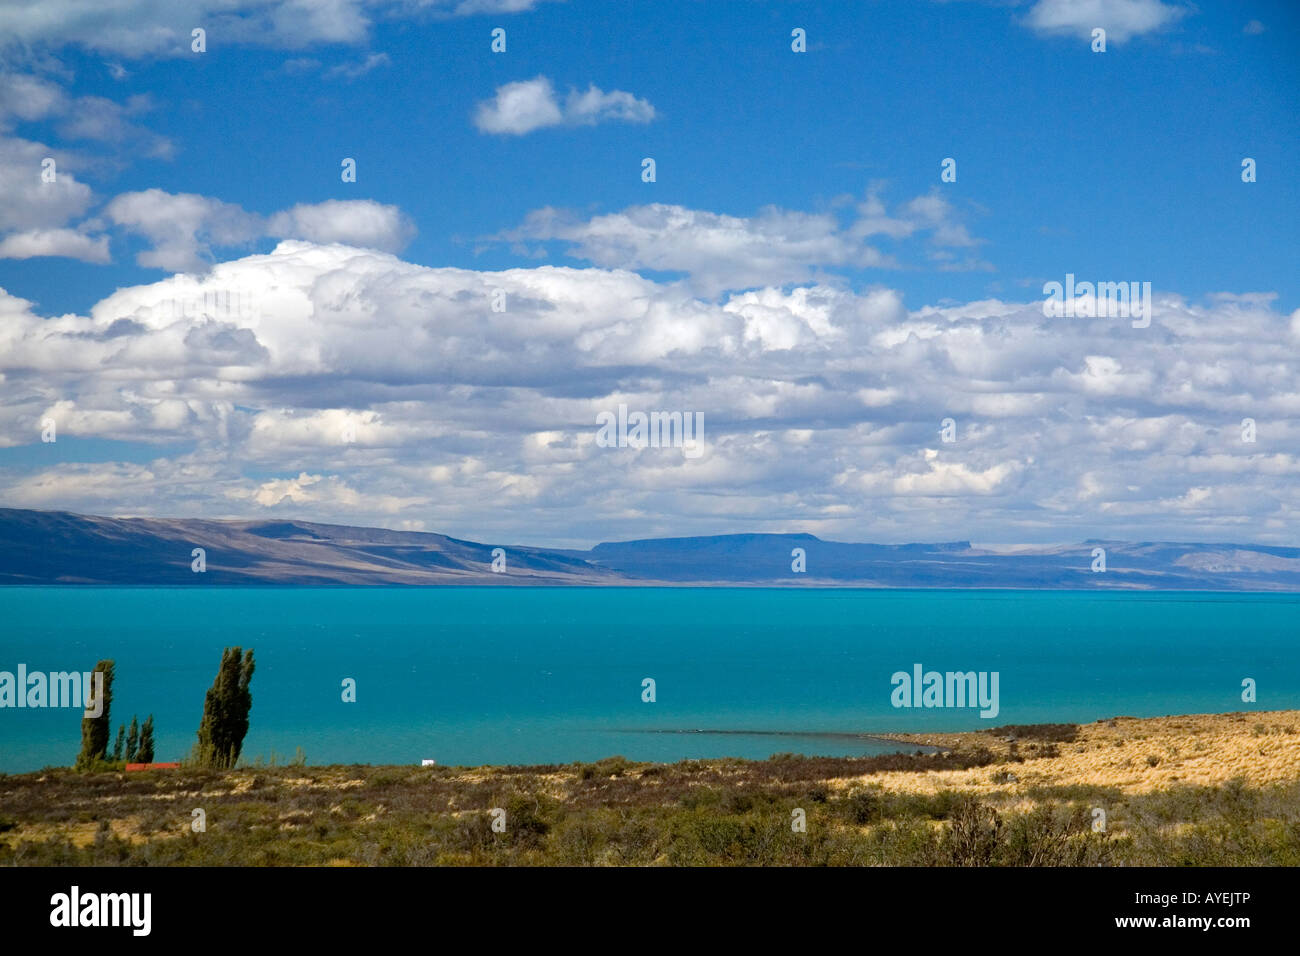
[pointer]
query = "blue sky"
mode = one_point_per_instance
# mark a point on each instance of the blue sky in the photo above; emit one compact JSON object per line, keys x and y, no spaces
{"x":1117,"y":164}
{"x":776,"y":170}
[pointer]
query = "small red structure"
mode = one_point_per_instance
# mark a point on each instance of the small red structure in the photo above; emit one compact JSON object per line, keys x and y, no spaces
{"x":152,"y":766}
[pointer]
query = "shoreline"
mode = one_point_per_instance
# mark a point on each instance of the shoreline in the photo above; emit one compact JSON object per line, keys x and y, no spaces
{"x":1189,"y":790}
{"x":1002,"y":741}
{"x":842,"y":735}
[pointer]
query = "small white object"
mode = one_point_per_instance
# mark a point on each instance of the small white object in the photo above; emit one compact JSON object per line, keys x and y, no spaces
{"x":428,"y":763}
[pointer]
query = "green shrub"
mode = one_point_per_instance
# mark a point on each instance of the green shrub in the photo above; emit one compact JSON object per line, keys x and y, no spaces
{"x":863,"y":806}
{"x":971,"y":838}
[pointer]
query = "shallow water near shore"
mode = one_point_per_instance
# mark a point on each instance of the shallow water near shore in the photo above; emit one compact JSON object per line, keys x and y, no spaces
{"x":553,"y":675}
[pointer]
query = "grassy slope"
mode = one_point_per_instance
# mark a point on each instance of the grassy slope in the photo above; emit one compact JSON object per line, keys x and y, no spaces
{"x":1200,"y":790}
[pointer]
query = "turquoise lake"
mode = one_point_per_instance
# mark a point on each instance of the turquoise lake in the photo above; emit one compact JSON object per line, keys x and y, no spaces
{"x":553,"y":675}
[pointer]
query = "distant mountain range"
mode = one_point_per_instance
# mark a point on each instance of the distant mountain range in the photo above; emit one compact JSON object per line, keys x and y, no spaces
{"x":56,"y":547}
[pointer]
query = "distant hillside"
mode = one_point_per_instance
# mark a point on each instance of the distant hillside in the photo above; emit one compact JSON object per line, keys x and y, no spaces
{"x":766,"y":559}
{"x":52,"y":547}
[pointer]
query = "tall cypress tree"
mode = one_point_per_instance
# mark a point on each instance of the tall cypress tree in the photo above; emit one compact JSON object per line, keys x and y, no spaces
{"x":117,"y":745}
{"x":225,"y":711}
{"x":95,"y":731}
{"x":145,"y":752}
{"x":132,"y":738}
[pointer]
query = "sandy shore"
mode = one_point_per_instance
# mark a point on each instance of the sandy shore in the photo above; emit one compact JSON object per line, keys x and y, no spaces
{"x":1202,"y":789}
{"x":1137,"y":755}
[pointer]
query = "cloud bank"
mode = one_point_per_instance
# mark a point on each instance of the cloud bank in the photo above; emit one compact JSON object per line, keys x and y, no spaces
{"x":346,"y":384}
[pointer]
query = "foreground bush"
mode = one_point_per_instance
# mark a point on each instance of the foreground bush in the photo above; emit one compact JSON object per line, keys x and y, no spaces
{"x":618,"y":812}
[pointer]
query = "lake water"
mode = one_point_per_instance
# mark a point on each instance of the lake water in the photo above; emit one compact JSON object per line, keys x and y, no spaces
{"x":542,"y":675}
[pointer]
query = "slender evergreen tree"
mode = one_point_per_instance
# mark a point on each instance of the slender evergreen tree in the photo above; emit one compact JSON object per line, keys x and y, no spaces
{"x":145,"y":752}
{"x":95,"y":731}
{"x":132,"y":739}
{"x":225,"y":711}
{"x":117,"y":744}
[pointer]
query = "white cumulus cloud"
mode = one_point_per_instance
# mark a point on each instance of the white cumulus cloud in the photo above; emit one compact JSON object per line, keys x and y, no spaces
{"x":185,"y":228}
{"x":66,"y":243}
{"x":1121,"y":19}
{"x":720,"y":252}
{"x":356,"y":222}
{"x":342,"y":383}
{"x":528,"y":105}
